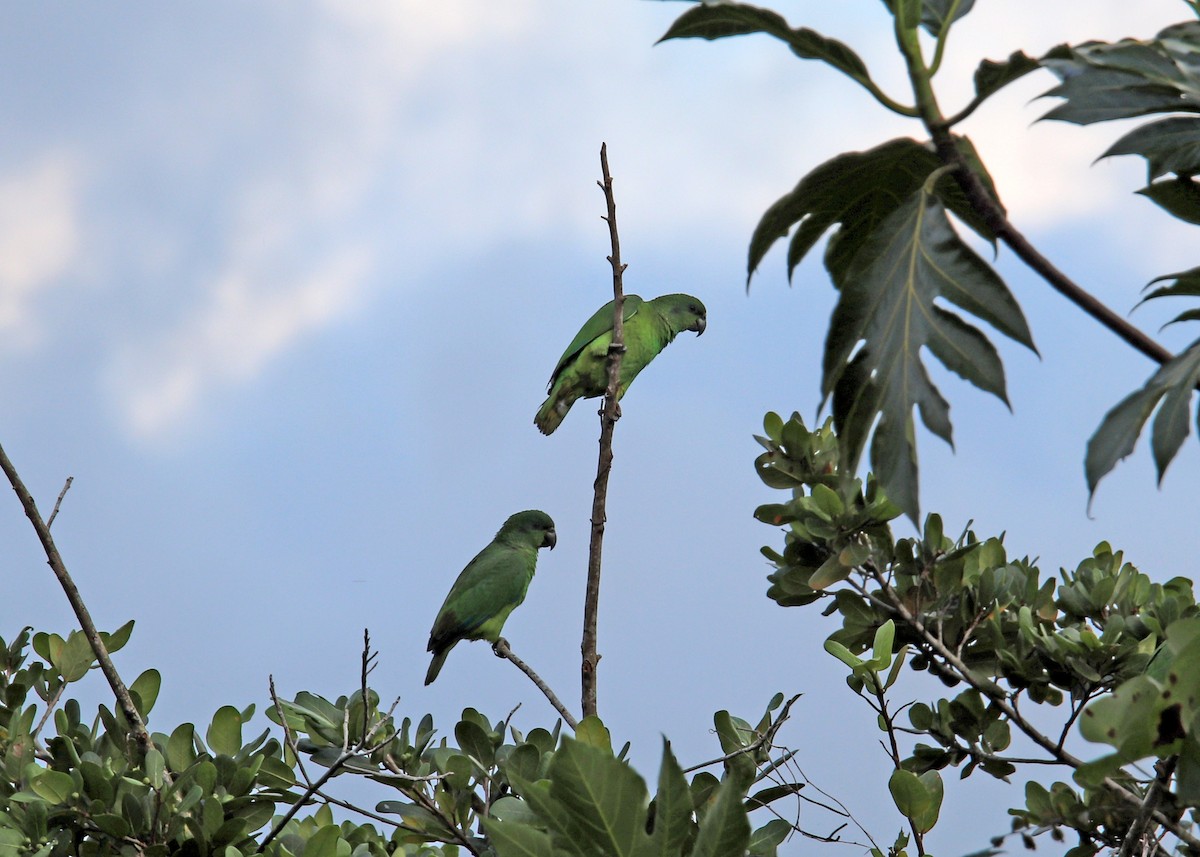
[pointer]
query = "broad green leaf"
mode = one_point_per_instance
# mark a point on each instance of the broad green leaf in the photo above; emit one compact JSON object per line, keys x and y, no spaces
{"x":1179,"y":197}
{"x":181,"y":751}
{"x":474,"y":741}
{"x":887,"y":315}
{"x":725,"y":829}
{"x":932,"y":782}
{"x":768,"y":838}
{"x":225,"y":733}
{"x":992,"y":76}
{"x":75,"y":658}
{"x":672,"y":808}
{"x":146,"y":686}
{"x":565,"y":831}
{"x":720,"y":20}
{"x":1128,"y":78}
{"x":54,"y":786}
{"x":116,"y":641}
{"x":1172,"y":384}
{"x":513,"y":839}
{"x":910,"y":795}
{"x":604,"y":797}
{"x":1168,"y":145}
{"x":853,"y":191}
{"x":592,"y":731}
{"x":323,"y":843}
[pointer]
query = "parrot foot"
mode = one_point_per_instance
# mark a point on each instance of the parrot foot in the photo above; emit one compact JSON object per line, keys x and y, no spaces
{"x":616,"y":411}
{"x":500,"y":648}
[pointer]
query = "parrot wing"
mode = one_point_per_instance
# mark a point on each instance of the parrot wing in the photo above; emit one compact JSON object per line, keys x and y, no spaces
{"x":491,"y":585}
{"x":599,"y":324}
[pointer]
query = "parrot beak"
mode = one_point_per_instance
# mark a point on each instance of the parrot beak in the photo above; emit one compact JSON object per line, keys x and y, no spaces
{"x":551,"y":539}
{"x":700,"y":325}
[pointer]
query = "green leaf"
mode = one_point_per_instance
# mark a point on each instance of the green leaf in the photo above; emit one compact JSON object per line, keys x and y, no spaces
{"x":932,"y":782}
{"x":603,"y":796}
{"x":672,"y":808}
{"x":75,"y":657}
{"x":765,"y":840}
{"x":181,"y":750}
{"x":592,"y":731}
{"x":854,"y":191}
{"x":54,"y":786}
{"x":116,"y":641}
{"x":991,"y":76}
{"x":323,"y":843}
{"x":887,"y":315}
{"x":1179,"y":196}
{"x":1168,"y":145}
{"x":1187,"y":284}
{"x":1128,"y":78}
{"x":512,"y":839}
{"x":718,"y":21}
{"x":225,"y":733}
{"x":725,"y":829}
{"x":146,"y":686}
{"x":1172,"y":384}
{"x":910,"y":795}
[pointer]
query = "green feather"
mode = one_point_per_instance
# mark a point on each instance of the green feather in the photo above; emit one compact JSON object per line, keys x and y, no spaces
{"x":492,"y":585}
{"x":582,"y":371}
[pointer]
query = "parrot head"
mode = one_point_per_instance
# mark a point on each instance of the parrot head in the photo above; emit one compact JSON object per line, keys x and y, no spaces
{"x":534,"y":524}
{"x":684,"y":312}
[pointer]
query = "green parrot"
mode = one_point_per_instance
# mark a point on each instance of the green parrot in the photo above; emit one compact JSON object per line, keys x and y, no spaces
{"x":491,"y":586}
{"x":582,"y":371}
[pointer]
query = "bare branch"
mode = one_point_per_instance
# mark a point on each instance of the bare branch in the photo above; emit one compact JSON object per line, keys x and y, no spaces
{"x":58,"y":502}
{"x":137,"y":726}
{"x":610,"y":413}
{"x":503,"y":650}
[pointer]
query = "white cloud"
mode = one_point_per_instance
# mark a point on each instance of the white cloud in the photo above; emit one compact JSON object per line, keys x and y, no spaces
{"x":39,"y":238}
{"x":248,"y":320}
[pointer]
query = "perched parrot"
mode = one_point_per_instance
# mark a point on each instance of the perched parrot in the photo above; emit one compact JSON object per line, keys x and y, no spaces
{"x":491,"y":586}
{"x":582,"y":371}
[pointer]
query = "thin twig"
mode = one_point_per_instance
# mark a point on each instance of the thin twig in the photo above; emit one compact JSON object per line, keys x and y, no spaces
{"x":503,"y":650}
{"x":1165,"y":769}
{"x":608,"y":420}
{"x":58,"y":502}
{"x":767,"y":736}
{"x":137,"y":726}
{"x":894,"y":752}
{"x":348,"y":752}
{"x":50,"y":706}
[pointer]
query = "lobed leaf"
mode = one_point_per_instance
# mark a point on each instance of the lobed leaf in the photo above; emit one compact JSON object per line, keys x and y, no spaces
{"x":886,"y":316}
{"x":1172,"y":385}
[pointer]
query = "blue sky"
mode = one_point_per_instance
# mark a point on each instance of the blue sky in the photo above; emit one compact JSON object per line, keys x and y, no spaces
{"x":281,"y":284}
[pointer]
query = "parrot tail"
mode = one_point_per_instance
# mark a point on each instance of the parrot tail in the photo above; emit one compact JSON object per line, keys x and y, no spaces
{"x":435,"y":666}
{"x":550,"y":414}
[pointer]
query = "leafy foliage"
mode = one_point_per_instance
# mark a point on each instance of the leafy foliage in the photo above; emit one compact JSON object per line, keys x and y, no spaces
{"x":1126,"y":79}
{"x":1119,"y":650}
{"x":87,"y":790}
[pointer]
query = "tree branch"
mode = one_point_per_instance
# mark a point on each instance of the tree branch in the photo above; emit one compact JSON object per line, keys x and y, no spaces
{"x":610,"y":413}
{"x":502,"y":650}
{"x":999,"y":698}
{"x":137,"y":726}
